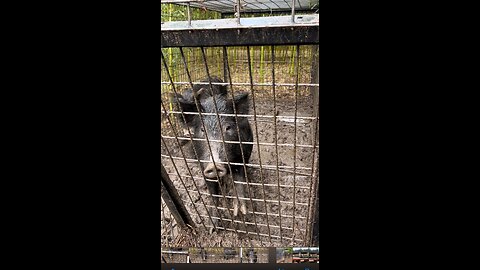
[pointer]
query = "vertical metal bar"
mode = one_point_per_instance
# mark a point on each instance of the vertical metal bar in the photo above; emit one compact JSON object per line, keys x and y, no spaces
{"x":238,"y":11}
{"x":197,"y":103}
{"x":315,"y":73}
{"x":295,"y":139}
{"x":254,"y":117}
{"x":293,"y":11}
{"x":225,"y":61}
{"x":175,"y":134}
{"x":276,"y":138}
{"x":241,"y":149}
{"x":315,"y":224}
{"x":172,"y":200}
{"x":210,"y":150}
{"x":223,"y":143}
{"x":314,"y":142}
{"x":188,"y":15}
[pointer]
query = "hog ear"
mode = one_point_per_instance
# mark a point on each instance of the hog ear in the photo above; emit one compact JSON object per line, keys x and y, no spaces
{"x":186,"y":106}
{"x":223,"y":89}
{"x":200,"y":92}
{"x":241,"y":103}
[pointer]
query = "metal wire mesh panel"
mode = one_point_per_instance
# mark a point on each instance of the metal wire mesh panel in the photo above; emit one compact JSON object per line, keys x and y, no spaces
{"x":280,"y":176}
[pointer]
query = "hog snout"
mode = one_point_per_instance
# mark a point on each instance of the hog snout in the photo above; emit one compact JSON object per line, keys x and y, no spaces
{"x":211,"y":171}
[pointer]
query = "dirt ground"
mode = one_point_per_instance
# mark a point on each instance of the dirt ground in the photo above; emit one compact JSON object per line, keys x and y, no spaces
{"x":267,"y":232}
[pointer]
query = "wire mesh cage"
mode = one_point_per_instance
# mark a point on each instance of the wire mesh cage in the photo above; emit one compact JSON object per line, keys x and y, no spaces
{"x":280,"y":177}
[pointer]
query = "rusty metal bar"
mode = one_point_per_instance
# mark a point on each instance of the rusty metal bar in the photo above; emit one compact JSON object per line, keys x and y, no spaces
{"x":223,"y":139}
{"x":276,"y":139}
{"x":246,"y":199}
{"x":175,"y":134}
{"x":250,"y":115}
{"x":256,"y":126}
{"x":264,"y":235}
{"x":239,"y":36}
{"x":174,"y":252}
{"x":293,"y":11}
{"x":260,"y":231}
{"x":251,"y":183}
{"x":236,"y":142}
{"x":313,"y":180}
{"x":208,"y":143}
{"x":297,"y":61}
{"x":237,"y":11}
{"x":247,"y":84}
{"x":197,"y":104}
{"x":265,"y":167}
{"x":235,"y":163}
{"x":315,"y":225}
{"x":189,"y":17}
{"x":259,"y":213}
{"x":174,"y":203}
{"x":238,"y":131}
{"x":265,"y":225}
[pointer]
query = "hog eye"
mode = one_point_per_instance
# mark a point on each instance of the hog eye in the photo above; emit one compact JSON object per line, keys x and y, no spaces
{"x":227,"y":128}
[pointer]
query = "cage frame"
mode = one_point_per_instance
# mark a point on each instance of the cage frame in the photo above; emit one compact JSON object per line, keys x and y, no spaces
{"x":287,"y":30}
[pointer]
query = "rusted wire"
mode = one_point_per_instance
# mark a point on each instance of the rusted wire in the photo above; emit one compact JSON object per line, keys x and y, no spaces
{"x":238,"y":131}
{"x":265,"y":235}
{"x":173,"y":130}
{"x":236,"y":142}
{"x":265,"y":225}
{"x":276,"y":139}
{"x":249,"y":115}
{"x":183,"y":184}
{"x":247,"y":164}
{"x":247,"y":84}
{"x":293,"y":11}
{"x":206,"y":136}
{"x":314,"y":169}
{"x":259,"y":213}
{"x":223,"y":139}
{"x":243,"y":183}
{"x":255,"y":122}
{"x":244,"y":198}
{"x":297,"y":60}
{"x":295,"y":230}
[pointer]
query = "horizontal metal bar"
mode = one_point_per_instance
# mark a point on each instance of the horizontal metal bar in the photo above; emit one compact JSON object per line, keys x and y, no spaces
{"x":242,"y":198}
{"x":261,"y":234}
{"x":253,"y":6}
{"x":174,"y":252}
{"x":259,"y":224}
{"x":224,"y":34}
{"x":181,"y":1}
{"x":235,"y":163}
{"x":281,"y":117}
{"x":237,"y":142}
{"x":253,"y":23}
{"x":255,"y":213}
{"x":254,"y":84}
{"x":245,"y":183}
{"x":281,"y":170}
